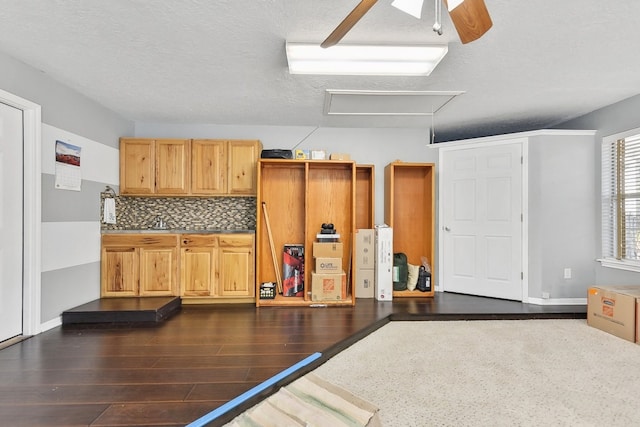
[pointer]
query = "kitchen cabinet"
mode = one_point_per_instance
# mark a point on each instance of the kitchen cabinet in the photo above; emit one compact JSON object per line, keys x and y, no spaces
{"x":299,"y":196}
{"x":172,"y":166}
{"x":120,"y":274}
{"x":242,"y":160}
{"x":199,"y":265}
{"x":217,"y":266}
{"x":209,"y":168}
{"x":154,"y":167}
{"x":183,"y":167}
{"x":409,"y":191}
{"x":224,"y":167}
{"x":237,"y":265}
{"x":139,"y":265}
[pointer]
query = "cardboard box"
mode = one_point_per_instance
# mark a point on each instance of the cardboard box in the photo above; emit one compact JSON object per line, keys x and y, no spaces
{"x":327,"y":249}
{"x":318,"y":155}
{"x":384,"y":263}
{"x":328,"y":287}
{"x":328,"y":265}
{"x":364,"y":282}
{"x":364,"y":248}
{"x":302,"y":154}
{"x":339,"y":156}
{"x":293,"y":270}
{"x":613,"y":309}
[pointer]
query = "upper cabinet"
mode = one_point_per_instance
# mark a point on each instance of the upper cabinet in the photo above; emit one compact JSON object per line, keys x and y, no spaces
{"x":209,"y":168}
{"x":154,"y":167}
{"x":242,"y":162}
{"x":199,"y":167}
{"x":137,"y":166}
{"x":172,"y":166}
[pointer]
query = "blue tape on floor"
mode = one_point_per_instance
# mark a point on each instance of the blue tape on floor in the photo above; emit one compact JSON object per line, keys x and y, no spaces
{"x":204,"y":420}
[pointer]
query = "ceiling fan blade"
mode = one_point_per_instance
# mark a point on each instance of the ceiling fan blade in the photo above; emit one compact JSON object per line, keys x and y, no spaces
{"x":470,"y":17}
{"x":348,"y":23}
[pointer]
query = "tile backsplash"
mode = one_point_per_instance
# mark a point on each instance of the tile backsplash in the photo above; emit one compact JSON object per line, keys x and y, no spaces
{"x":184,"y":213}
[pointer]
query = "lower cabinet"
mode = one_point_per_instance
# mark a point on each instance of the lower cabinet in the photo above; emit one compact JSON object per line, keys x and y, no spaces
{"x":199,"y":265}
{"x":217,"y":266}
{"x":200,"y":268}
{"x":237,"y":266}
{"x":139,"y":265}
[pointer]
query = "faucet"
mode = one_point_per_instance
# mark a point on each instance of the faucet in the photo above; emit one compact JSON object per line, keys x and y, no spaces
{"x":159,"y":224}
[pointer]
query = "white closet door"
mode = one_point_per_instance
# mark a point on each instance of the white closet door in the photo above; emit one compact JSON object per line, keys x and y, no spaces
{"x":481,"y":193}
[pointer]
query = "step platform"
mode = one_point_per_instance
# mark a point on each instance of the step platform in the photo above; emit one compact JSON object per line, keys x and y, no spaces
{"x":127,"y":310}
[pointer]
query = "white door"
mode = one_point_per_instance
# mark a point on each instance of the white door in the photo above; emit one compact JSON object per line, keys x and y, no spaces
{"x":10,"y":222}
{"x":481,"y":196}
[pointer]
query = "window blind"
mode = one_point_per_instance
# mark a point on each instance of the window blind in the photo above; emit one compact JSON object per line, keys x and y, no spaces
{"x":621,"y":199}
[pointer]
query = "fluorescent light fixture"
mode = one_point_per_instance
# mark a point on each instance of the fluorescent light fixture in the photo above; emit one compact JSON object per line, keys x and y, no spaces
{"x":412,"y":7}
{"x":372,"y":60}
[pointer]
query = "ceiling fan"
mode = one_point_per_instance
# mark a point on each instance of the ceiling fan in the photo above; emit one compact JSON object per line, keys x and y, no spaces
{"x":470,"y":17}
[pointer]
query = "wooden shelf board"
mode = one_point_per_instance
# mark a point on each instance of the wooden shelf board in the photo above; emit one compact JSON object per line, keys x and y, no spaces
{"x":412,"y":294}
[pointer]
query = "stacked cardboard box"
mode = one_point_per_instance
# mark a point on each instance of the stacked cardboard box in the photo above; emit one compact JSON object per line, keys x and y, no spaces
{"x":328,"y":279}
{"x":364,"y":263}
{"x":384,"y":263}
{"x":616,"y":310}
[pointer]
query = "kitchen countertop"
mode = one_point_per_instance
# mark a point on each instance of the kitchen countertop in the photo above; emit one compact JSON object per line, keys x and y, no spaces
{"x":177,"y":231}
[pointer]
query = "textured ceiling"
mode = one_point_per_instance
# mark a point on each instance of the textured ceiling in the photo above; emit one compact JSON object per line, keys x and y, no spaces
{"x":223,"y":61}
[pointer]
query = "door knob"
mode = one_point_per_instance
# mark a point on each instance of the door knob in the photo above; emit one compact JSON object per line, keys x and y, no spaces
{"x":447,"y":229}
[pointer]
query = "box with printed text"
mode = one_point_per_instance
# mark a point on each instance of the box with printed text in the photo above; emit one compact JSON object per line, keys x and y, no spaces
{"x":384,"y":263}
{"x":328,"y":265}
{"x":328,"y":287}
{"x":364,"y":248}
{"x":613,"y":309}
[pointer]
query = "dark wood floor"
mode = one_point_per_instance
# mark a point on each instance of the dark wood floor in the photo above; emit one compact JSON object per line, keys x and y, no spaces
{"x":177,"y":371}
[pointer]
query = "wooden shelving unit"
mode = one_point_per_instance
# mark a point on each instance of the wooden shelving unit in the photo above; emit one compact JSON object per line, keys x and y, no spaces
{"x":365,"y":196}
{"x":410,"y":210}
{"x":301,"y":195}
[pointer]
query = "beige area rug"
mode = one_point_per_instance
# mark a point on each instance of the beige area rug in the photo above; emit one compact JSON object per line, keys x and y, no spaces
{"x":493,"y":373}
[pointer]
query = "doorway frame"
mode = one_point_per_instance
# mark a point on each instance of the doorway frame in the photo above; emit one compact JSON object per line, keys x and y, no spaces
{"x":487,"y":142}
{"x":32,"y":217}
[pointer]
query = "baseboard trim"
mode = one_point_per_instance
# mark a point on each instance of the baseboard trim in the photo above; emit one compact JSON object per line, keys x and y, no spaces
{"x":51,"y":324}
{"x":557,"y":301}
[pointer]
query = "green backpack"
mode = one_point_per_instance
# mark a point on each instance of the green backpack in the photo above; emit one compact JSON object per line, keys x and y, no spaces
{"x":400,"y":272}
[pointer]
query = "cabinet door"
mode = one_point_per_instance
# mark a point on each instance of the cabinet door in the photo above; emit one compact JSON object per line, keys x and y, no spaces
{"x":199,"y":271}
{"x":120,"y":272}
{"x":158,"y":271}
{"x":237,"y":266}
{"x":243,"y":157}
{"x":209,"y":166}
{"x":173,"y":159}
{"x":137,"y":166}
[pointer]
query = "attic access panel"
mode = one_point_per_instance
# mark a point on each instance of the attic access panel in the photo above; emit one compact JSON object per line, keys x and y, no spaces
{"x":386,"y":103}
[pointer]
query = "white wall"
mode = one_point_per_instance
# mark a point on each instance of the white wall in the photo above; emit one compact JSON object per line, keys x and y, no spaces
{"x":70,"y":268}
{"x":610,"y":120}
{"x":561,"y":216}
